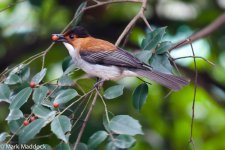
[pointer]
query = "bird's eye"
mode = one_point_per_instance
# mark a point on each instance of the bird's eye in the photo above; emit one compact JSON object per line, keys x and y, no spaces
{"x":71,"y":36}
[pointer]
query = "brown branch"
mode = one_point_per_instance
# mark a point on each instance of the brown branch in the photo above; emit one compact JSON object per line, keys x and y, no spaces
{"x":194,"y":97}
{"x":215,"y":25}
{"x":133,"y":21}
{"x":85,"y":121}
{"x":98,"y":3}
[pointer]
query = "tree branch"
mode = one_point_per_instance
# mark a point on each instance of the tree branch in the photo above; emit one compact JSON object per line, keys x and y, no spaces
{"x":98,"y":3}
{"x":215,"y":25}
{"x":133,"y":21}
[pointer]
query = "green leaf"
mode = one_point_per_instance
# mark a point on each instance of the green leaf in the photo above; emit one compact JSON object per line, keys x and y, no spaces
{"x":14,"y":114}
{"x":65,"y":96}
{"x":82,"y":146}
{"x":4,"y":93}
{"x":30,"y":131}
{"x":78,"y":14}
{"x":96,"y":139}
{"x":24,"y":72}
{"x":153,"y":38}
{"x":14,"y":125}
{"x":111,"y":146}
{"x":40,"y":94}
{"x":43,"y":112}
{"x":63,"y":146}
{"x":68,"y":65}
{"x":3,"y":136}
{"x":60,"y":125}
{"x":12,"y":79}
{"x":161,"y":63}
{"x":20,"y":98}
{"x":124,"y":141}
{"x":144,"y":56}
{"x":163,"y":47}
{"x":39,"y":76}
{"x":124,"y":124}
{"x":114,"y":91}
{"x":139,"y":96}
{"x":65,"y":81}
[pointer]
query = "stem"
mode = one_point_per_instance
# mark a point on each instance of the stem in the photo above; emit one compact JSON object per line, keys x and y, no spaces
{"x":194,"y":98}
{"x":133,"y":21}
{"x":211,"y":63}
{"x":85,"y":121}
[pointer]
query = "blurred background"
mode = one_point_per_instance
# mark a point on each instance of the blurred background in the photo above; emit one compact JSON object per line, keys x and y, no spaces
{"x":26,"y":28}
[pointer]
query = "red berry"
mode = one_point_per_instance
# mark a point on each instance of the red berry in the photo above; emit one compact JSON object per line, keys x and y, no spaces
{"x":26,"y":122}
{"x":32,"y":84}
{"x":55,"y":105}
{"x":54,"y":37}
{"x":33,"y":118}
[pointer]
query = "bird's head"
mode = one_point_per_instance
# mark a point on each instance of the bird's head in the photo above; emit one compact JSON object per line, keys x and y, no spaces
{"x":71,"y":35}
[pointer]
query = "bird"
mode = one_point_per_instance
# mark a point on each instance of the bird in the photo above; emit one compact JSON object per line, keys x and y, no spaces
{"x":100,"y":58}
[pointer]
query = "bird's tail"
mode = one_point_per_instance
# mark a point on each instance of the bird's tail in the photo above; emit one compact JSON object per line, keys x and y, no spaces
{"x":173,"y":82}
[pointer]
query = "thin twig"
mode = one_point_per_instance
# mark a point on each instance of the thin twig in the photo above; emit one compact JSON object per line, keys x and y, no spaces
{"x":105,"y":106}
{"x":211,"y":63}
{"x":194,"y":98}
{"x":83,"y":110}
{"x":85,"y":121}
{"x":110,"y":2}
{"x":140,"y":14}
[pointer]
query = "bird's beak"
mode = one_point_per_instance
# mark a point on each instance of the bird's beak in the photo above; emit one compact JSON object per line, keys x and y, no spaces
{"x":58,"y":38}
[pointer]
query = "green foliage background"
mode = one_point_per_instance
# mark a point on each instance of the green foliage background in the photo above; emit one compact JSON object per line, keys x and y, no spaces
{"x":26,"y":29}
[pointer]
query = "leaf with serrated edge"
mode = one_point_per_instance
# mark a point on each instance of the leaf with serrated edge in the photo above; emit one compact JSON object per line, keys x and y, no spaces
{"x":139,"y":96}
{"x":30,"y":131}
{"x":124,"y":124}
{"x":20,"y":98}
{"x":114,"y":91}
{"x":60,"y":125}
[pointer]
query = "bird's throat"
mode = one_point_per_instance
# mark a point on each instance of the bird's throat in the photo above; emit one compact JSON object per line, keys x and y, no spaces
{"x":72,"y":51}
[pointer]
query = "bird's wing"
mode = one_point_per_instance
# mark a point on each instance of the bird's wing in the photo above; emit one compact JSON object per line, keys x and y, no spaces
{"x":117,"y":58}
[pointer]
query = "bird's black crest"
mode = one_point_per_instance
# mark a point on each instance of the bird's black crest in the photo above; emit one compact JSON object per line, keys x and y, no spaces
{"x":79,"y":31}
